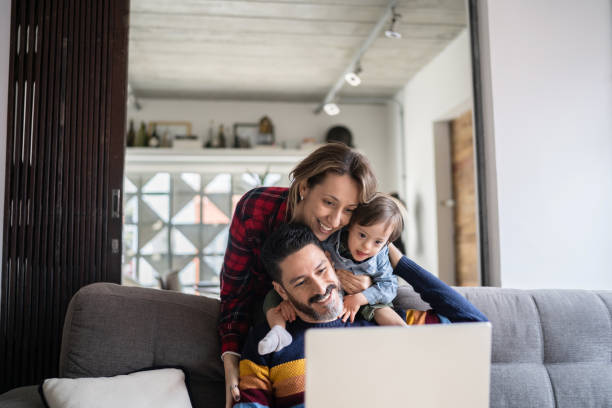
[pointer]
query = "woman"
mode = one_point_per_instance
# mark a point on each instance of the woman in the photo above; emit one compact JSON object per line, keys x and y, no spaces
{"x":326,"y":187}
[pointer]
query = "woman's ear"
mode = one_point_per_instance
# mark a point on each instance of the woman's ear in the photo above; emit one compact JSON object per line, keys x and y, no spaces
{"x":303,"y":190}
{"x":280,"y":290}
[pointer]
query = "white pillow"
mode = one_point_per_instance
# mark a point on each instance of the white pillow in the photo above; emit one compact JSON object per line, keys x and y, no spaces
{"x":153,"y":388}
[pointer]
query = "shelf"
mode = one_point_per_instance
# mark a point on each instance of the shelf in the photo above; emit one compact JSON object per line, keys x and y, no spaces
{"x":213,"y":160}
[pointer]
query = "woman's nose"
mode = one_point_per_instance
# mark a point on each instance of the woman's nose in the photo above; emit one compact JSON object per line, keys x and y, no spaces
{"x":336,"y":218}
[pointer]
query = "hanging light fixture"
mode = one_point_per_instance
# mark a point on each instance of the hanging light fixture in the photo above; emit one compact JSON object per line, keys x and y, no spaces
{"x":352,"y":77}
{"x":391,"y":33}
{"x":331,"y":109}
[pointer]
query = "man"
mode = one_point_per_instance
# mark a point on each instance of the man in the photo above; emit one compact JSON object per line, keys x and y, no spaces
{"x":303,"y":275}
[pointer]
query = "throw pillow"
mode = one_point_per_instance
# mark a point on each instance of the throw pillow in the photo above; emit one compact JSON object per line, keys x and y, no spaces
{"x":150,"y":388}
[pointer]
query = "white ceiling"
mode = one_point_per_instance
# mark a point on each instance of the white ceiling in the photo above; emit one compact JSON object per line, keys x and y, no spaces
{"x":280,"y":49}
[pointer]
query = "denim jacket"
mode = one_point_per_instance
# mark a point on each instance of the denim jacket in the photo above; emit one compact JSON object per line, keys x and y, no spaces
{"x":384,"y":287}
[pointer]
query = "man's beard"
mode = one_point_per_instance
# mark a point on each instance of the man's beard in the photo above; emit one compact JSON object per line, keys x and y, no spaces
{"x":332,"y":310}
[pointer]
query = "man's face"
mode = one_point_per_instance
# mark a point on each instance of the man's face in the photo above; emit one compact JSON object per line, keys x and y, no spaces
{"x":310,"y":283}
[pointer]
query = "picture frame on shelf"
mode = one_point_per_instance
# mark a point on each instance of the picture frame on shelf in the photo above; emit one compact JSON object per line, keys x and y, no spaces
{"x":246,"y":134}
{"x":172,"y":133}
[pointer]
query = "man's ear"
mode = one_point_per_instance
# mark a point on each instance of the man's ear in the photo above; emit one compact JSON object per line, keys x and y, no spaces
{"x":280,"y":290}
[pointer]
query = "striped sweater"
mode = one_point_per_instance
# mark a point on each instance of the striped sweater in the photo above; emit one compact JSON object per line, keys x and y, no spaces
{"x":277,"y":379}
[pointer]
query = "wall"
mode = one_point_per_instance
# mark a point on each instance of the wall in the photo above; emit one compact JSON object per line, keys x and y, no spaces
{"x":440,"y":91}
{"x":551,"y":84}
{"x":5,"y":37}
{"x":292,"y":123}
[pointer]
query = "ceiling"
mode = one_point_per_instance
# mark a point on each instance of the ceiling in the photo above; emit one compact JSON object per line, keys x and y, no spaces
{"x":291,"y":50}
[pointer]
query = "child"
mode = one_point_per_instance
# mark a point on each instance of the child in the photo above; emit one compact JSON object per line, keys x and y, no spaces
{"x":360,"y":248}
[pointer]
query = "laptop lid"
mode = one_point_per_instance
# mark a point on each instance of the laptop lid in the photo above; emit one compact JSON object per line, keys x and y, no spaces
{"x":443,"y":365}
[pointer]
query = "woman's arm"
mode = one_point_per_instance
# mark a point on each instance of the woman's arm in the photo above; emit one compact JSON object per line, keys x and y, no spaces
{"x":442,"y":298}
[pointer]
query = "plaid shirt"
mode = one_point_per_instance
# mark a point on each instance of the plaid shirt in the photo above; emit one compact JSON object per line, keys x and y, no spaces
{"x":243,"y":276}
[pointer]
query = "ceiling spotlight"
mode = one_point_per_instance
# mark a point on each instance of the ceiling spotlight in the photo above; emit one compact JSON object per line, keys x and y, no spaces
{"x":331,"y":109}
{"x":391,"y":33}
{"x":353,"y":77}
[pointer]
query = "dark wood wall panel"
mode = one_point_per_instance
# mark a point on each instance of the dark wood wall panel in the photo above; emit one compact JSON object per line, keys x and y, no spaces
{"x":65,"y":147}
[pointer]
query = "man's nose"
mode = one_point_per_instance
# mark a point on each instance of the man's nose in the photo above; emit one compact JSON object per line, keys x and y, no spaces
{"x":320,"y":285}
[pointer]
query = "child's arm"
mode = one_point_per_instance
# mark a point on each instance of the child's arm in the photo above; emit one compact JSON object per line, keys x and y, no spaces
{"x":351,"y":305}
{"x":276,"y":315}
{"x":384,"y":283}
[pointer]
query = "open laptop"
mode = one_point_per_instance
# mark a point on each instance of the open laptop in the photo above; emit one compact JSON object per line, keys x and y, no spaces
{"x":444,"y":365}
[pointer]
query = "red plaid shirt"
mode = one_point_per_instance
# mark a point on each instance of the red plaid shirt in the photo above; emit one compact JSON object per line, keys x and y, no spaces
{"x":243,"y":276}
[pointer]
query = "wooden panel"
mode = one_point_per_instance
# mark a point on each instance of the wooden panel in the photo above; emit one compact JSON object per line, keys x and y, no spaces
{"x":65,"y":127}
{"x":464,"y":194}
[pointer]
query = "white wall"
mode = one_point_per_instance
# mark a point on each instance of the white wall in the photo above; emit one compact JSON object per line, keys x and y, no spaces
{"x":440,"y":91}
{"x":5,"y":38}
{"x":292,"y":123}
{"x":551,"y":84}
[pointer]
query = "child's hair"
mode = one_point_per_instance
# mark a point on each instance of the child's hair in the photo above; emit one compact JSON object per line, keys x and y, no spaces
{"x":381,"y":208}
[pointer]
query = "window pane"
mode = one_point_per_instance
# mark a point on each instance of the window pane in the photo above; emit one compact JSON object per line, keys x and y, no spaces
{"x":181,"y":245}
{"x":159,"y":183}
{"x":186,"y":213}
{"x":160,"y":204}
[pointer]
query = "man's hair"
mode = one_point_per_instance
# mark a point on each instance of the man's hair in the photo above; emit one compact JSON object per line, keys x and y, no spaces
{"x":381,"y":208}
{"x":284,"y":241}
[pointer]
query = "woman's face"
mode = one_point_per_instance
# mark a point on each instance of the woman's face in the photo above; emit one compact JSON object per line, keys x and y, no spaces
{"x":326,"y":207}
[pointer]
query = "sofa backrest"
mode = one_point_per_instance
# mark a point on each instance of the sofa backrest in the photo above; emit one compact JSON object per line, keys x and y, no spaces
{"x":550,"y":348}
{"x":111,"y":330}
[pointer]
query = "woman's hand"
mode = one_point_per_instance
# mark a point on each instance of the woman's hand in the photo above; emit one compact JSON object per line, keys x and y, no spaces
{"x":352,"y":303}
{"x":353,"y":284}
{"x":232,"y":392}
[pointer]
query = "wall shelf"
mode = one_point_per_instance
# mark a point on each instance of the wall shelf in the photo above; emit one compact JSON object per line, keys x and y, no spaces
{"x":140,"y":160}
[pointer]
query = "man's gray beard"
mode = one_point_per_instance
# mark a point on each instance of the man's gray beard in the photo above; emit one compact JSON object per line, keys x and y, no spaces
{"x":332,"y":310}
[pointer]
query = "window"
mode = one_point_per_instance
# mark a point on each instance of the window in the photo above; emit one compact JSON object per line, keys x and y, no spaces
{"x":176,"y":226}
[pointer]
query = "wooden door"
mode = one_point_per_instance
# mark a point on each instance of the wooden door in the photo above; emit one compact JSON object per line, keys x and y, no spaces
{"x":464,"y":196}
{"x":64,"y":171}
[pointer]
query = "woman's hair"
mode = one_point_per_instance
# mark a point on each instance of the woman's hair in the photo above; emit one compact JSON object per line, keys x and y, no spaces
{"x":334,"y":158}
{"x":381,"y":208}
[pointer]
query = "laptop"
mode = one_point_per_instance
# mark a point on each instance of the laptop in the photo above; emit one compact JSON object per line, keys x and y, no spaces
{"x":443,"y":365}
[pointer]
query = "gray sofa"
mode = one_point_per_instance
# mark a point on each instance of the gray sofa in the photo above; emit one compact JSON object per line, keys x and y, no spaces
{"x":551,"y":348}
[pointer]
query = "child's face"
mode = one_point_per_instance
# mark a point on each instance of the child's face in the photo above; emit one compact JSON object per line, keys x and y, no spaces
{"x":365,"y":242}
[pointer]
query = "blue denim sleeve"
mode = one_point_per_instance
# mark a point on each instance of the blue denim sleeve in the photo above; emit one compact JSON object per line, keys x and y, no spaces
{"x":384,"y":283}
{"x":443,"y":299}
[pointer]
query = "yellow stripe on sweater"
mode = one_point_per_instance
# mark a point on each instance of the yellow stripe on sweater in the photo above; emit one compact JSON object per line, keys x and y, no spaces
{"x":287,"y":370}
{"x":290,"y":386}
{"x":415,"y":317}
{"x":255,"y":373}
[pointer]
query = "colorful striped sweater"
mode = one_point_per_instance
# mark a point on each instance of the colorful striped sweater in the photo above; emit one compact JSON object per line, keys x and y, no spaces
{"x":277,"y":379}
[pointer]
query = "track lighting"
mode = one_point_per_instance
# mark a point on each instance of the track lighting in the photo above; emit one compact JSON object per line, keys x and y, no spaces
{"x":352,"y":77}
{"x":331,"y":109}
{"x":391,"y":33}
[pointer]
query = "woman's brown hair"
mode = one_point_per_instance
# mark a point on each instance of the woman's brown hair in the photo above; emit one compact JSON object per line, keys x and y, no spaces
{"x":335,"y":158}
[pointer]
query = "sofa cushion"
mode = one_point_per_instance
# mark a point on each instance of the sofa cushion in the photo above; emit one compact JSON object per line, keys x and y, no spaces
{"x":160,"y":388}
{"x":22,"y":397}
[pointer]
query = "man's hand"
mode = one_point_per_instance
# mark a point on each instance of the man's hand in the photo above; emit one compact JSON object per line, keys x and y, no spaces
{"x":352,"y":303}
{"x":353,"y":284}
{"x":232,"y":392}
